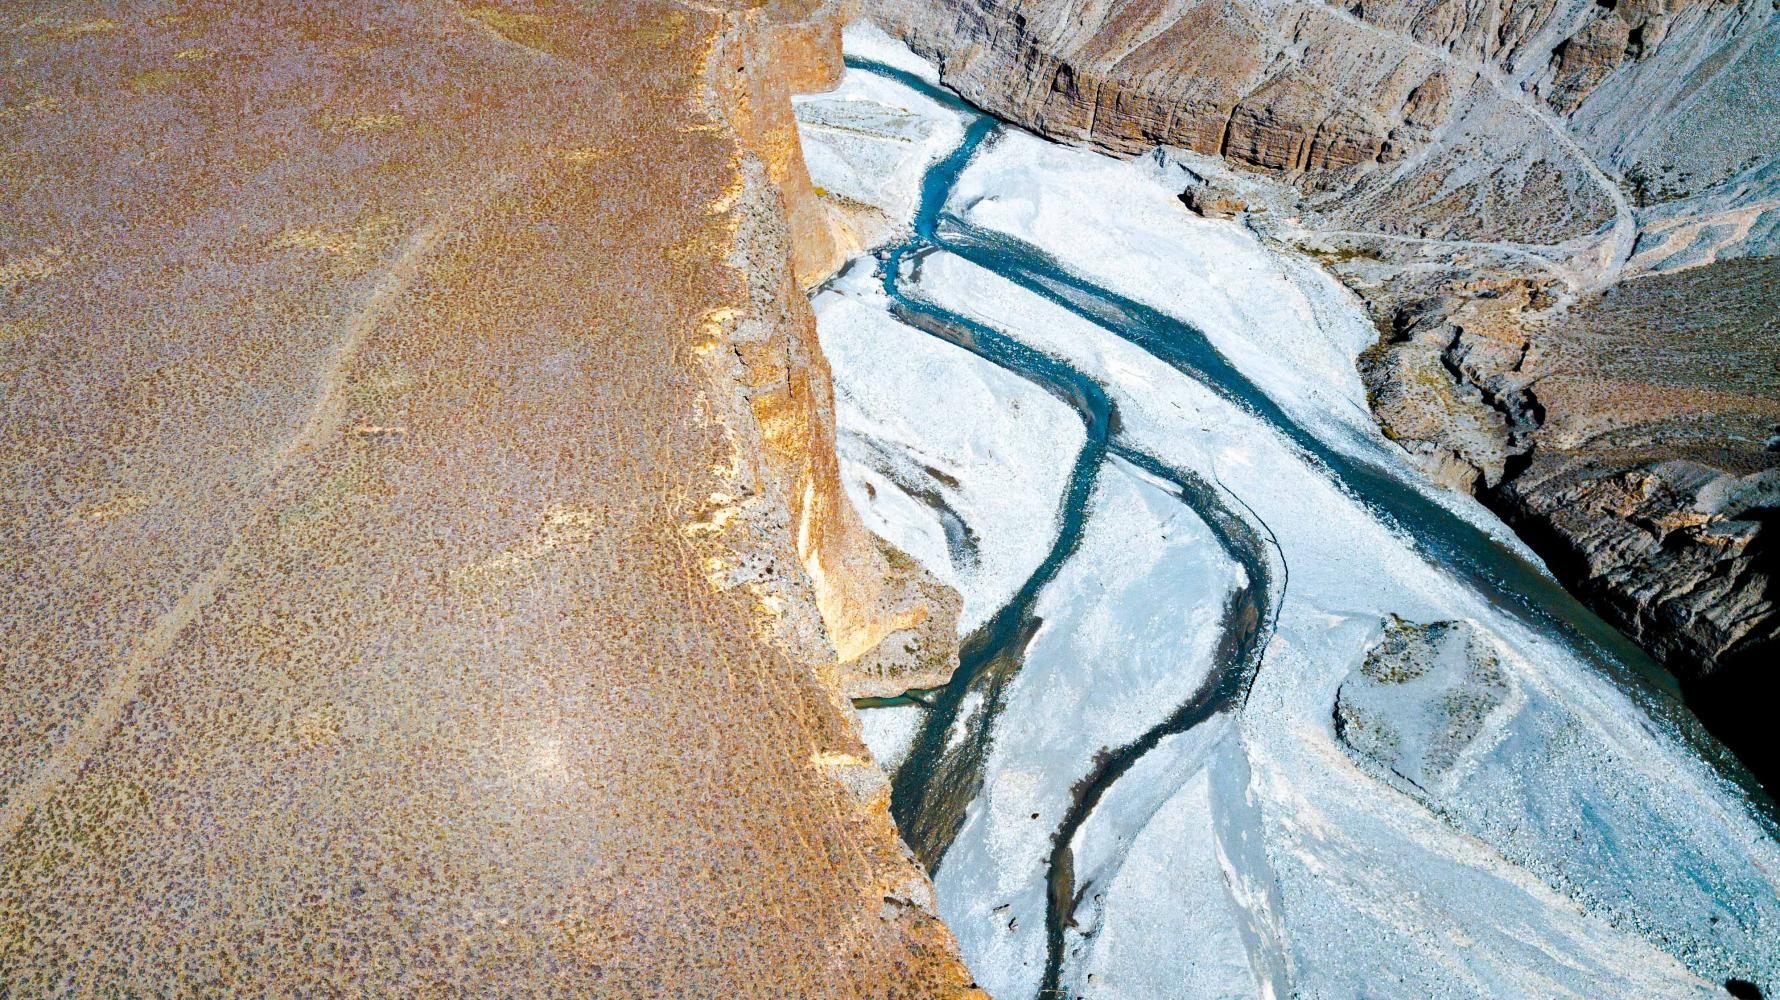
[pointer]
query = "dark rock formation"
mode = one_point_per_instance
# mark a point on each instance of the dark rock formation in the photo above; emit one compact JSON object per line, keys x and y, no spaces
{"x":1653,"y":479}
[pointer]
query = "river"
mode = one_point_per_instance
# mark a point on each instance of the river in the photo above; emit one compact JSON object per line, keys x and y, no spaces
{"x":948,"y":769}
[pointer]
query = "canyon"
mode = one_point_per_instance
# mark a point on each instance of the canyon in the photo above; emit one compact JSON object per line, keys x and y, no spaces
{"x":820,"y":498}
{"x":1246,"y":706}
{"x":1562,"y":215}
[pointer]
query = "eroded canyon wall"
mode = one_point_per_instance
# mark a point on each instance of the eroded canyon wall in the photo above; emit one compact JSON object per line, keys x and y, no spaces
{"x":414,"y":442}
{"x":891,"y":623}
{"x":1563,"y":215}
{"x":1476,"y":118}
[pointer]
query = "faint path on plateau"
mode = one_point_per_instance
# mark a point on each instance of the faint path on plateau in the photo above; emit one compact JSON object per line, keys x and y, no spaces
{"x":125,"y":680}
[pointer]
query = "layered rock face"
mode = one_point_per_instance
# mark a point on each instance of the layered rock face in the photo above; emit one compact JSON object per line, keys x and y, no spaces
{"x":1562,"y":215}
{"x":1389,"y":100}
{"x":426,"y":569}
{"x":1645,"y":472}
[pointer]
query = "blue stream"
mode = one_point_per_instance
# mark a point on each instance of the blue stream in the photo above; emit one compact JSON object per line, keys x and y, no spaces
{"x":934,"y":785}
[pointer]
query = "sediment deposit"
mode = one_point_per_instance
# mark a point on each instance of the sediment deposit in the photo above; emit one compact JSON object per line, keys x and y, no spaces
{"x":424,"y":554}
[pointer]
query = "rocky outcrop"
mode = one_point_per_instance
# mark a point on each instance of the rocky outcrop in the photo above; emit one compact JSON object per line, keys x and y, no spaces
{"x":1654,"y":478}
{"x":1677,"y":548}
{"x":1562,"y":215}
{"x":1629,"y":437}
{"x":1472,"y":119}
{"x":1620,"y":34}
{"x":1446,"y":380}
{"x":771,"y":60}
{"x":414,"y":445}
{"x":1424,"y":697}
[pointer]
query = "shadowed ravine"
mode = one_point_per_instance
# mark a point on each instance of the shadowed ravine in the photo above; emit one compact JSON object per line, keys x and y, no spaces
{"x":934,"y":786}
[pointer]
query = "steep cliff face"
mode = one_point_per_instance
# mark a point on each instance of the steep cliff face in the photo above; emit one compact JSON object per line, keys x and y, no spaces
{"x":1630,"y":436}
{"x":891,"y":623}
{"x":413,"y":446}
{"x":1647,"y":474}
{"x":1384,"y":107}
{"x":1559,"y":212}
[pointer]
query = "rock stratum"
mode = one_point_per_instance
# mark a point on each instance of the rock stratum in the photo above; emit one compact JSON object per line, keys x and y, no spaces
{"x":1563,"y":216}
{"x":426,"y":567}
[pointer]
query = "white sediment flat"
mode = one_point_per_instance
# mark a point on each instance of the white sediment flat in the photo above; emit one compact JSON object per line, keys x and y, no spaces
{"x":1184,"y":828}
{"x":890,"y":732}
{"x":1129,"y":630}
{"x":869,"y":140}
{"x":868,"y":41}
{"x":1286,"y":323}
{"x":1501,"y":886}
{"x":1291,"y":328}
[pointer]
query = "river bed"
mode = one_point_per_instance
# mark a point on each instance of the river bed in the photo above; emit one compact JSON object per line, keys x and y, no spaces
{"x":1210,"y":736}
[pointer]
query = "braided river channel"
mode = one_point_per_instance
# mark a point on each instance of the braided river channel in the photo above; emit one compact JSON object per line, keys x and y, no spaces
{"x":1177,"y":758}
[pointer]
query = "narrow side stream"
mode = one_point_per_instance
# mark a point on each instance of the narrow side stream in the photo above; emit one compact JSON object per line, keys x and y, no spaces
{"x":933,"y":786}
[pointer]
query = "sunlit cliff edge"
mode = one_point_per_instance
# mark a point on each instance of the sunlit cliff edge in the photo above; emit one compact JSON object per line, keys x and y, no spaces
{"x":425,"y":562}
{"x":891,"y":623}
